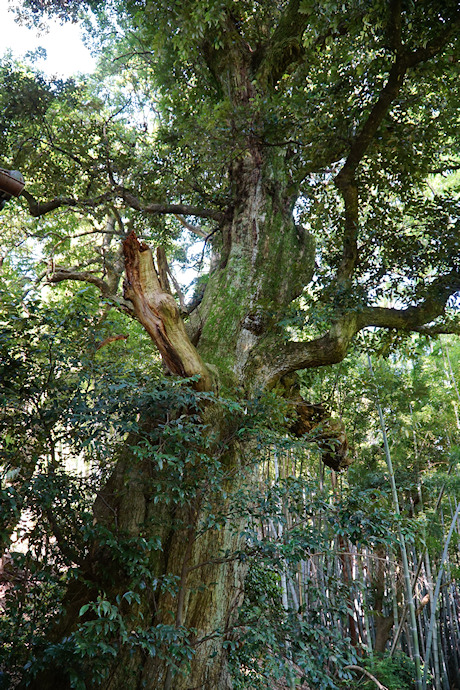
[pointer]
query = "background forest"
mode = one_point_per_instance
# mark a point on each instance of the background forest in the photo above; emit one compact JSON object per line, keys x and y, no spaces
{"x":267,"y":496}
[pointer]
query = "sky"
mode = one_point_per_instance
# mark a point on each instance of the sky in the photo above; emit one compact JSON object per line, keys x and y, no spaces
{"x":66,"y":54}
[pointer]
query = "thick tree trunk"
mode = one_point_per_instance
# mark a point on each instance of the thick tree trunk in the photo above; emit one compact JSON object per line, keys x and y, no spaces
{"x":192,"y":590}
{"x":196,"y":582}
{"x":383,"y":623}
{"x":233,"y":344}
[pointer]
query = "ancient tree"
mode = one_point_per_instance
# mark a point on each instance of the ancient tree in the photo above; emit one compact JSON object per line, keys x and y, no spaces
{"x":297,"y":139}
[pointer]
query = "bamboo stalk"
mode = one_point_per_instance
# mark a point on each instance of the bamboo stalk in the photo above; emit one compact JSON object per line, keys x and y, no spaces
{"x":419,"y":566}
{"x":428,"y":576}
{"x":284,"y":573}
{"x":436,"y":595}
{"x":437,"y":671}
{"x":409,"y":594}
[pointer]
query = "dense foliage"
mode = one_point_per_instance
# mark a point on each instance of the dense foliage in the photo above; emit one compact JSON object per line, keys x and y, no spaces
{"x":179,"y":516}
{"x":62,"y":423}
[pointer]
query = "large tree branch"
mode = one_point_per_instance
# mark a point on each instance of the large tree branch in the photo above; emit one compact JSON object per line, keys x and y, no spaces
{"x":147,"y":298}
{"x":41,"y":208}
{"x":192,"y":228}
{"x":147,"y":289}
{"x":394,"y":27}
{"x":403,"y":61}
{"x":60,"y":274}
{"x":345,"y":180}
{"x":365,"y":672}
{"x":433,"y":47}
{"x":349,"y":189}
{"x":333,"y":346}
{"x":164,"y":209}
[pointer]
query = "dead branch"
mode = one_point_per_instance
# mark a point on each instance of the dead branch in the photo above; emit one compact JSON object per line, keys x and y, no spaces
{"x":111,"y":339}
{"x":364,"y":671}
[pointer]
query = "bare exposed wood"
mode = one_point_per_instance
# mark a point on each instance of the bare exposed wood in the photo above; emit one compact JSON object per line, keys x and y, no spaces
{"x":423,"y":602}
{"x":164,"y":272}
{"x":179,"y":293}
{"x":111,"y":339}
{"x":159,"y":314}
{"x":163,"y":269}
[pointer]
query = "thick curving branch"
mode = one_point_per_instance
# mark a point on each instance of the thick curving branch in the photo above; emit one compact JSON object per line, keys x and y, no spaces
{"x":333,"y":346}
{"x":404,"y":61}
{"x":345,"y":180}
{"x":41,"y":208}
{"x":349,"y":190}
{"x":163,"y":209}
{"x":192,"y":228}
{"x":60,"y":274}
{"x":365,"y":672}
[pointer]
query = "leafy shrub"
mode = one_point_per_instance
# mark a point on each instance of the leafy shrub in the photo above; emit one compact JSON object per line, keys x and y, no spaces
{"x":395,"y":673}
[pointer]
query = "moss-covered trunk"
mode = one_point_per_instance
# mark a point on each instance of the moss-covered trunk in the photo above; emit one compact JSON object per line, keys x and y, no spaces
{"x":167,"y":562}
{"x":163,"y":547}
{"x":194,"y":582}
{"x":197,"y":588}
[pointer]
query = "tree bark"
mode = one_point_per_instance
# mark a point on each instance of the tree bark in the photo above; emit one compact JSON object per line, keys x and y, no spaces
{"x":383,"y":623}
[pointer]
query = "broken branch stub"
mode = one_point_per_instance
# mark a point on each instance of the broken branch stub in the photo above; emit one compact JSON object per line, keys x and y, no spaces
{"x":328,"y":433}
{"x":158,"y":312}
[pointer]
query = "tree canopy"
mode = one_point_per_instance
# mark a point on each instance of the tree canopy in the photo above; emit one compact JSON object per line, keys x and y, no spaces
{"x":356,"y":105}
